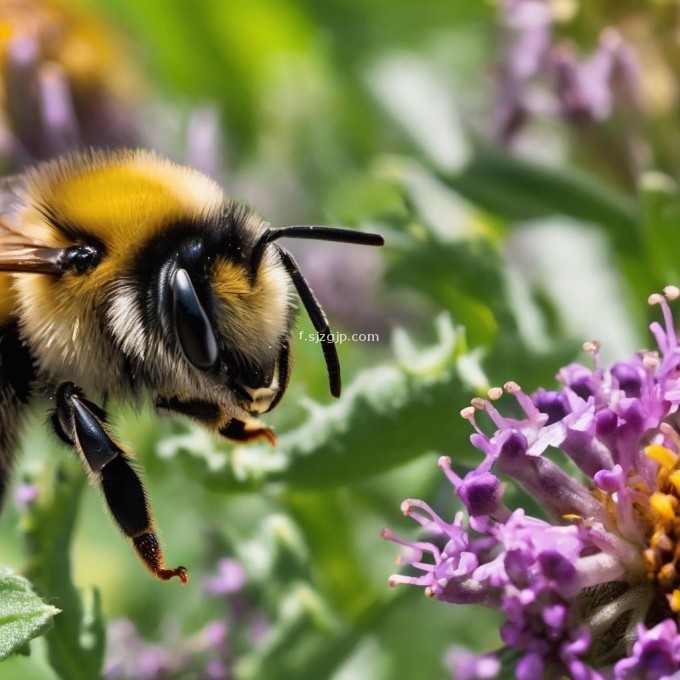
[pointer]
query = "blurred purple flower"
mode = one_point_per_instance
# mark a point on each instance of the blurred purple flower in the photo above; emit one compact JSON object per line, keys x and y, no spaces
{"x":130,"y":656}
{"x":208,"y":653}
{"x":465,"y":665}
{"x":204,"y":654}
{"x":530,"y":24}
{"x":586,"y":90}
{"x":603,"y":559}
{"x":216,"y":669}
{"x":260,"y":627}
{"x":229,"y":583}
{"x":537,"y":77}
{"x":231,"y":578}
{"x":25,"y":494}
{"x":215,"y":634}
{"x":526,"y":41}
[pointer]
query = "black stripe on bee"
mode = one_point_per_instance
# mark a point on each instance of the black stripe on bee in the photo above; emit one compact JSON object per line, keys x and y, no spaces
{"x":16,"y":364}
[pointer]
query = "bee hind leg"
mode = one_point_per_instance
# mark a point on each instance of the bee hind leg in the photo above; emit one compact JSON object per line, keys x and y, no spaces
{"x":83,"y":424}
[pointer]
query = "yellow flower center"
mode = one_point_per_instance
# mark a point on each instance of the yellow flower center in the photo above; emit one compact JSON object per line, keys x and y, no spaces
{"x":662,"y":556}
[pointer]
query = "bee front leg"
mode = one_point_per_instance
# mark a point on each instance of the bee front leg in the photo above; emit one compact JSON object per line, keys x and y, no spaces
{"x":247,"y":431}
{"x":213,"y":416}
{"x":83,"y":424}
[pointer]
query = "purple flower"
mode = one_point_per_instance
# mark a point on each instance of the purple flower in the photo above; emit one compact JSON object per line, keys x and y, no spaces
{"x":656,"y":654}
{"x":527,"y":38}
{"x":211,"y":652}
{"x":204,"y":654}
{"x":25,"y":494}
{"x":538,"y":77}
{"x":130,"y":656}
{"x":601,"y":560}
{"x":586,"y":89}
{"x":231,"y":578}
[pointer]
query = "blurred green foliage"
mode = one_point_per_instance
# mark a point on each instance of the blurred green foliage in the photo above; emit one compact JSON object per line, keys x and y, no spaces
{"x":316,"y":128}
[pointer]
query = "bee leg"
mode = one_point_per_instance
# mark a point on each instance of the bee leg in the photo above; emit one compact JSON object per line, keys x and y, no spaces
{"x":247,"y":431}
{"x":212,"y":415}
{"x":83,"y":423}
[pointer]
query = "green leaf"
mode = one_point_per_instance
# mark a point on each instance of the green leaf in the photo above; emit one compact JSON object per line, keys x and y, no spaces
{"x":23,"y":615}
{"x":660,"y":200}
{"x":519,"y":189}
{"x":302,"y":624}
{"x":75,"y":643}
{"x":465,"y":278}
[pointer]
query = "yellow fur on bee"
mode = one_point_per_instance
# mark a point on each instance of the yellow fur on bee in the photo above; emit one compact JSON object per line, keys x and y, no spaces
{"x":258,"y":311}
{"x":123,"y":199}
{"x":120,"y":198}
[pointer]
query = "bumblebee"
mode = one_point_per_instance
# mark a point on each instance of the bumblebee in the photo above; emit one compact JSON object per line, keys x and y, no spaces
{"x":125,"y":276}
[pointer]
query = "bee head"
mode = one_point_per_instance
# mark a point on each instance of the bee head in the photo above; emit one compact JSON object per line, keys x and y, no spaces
{"x":231,"y":328}
{"x":225,"y":299}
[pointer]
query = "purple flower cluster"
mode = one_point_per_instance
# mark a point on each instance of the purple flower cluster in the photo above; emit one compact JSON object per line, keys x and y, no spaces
{"x":208,"y":654}
{"x":202,"y":655}
{"x":538,"y":77}
{"x":591,"y":589}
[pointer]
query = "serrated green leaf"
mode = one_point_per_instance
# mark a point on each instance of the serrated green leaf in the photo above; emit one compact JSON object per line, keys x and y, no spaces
{"x":23,"y":615}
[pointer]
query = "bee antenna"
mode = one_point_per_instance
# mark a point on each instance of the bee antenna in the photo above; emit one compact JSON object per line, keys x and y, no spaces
{"x":315,"y":232}
{"x":309,"y":301}
{"x":317,"y":317}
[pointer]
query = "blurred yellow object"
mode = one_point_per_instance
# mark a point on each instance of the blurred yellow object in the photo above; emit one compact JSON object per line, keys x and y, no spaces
{"x":64,"y":82}
{"x":658,"y":61}
{"x":71,"y":38}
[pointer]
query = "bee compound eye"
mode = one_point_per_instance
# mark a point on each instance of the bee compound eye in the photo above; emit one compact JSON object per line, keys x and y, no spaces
{"x":192,"y":325}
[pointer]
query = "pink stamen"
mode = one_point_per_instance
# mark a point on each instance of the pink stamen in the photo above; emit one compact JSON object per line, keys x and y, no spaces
{"x":498,"y":420}
{"x":495,"y":393}
{"x":444,"y":464}
{"x":592,"y":347}
{"x":671,"y":340}
{"x":399,"y":579}
{"x":428,"y":517}
{"x":524,"y":401}
{"x":469,"y":414}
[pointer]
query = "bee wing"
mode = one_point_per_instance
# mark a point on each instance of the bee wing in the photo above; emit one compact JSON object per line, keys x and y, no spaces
{"x":18,"y":253}
{"x":11,"y":198}
{"x":29,"y":259}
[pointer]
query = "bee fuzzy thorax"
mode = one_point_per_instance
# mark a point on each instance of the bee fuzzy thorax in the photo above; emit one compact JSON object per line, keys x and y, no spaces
{"x":125,"y":275}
